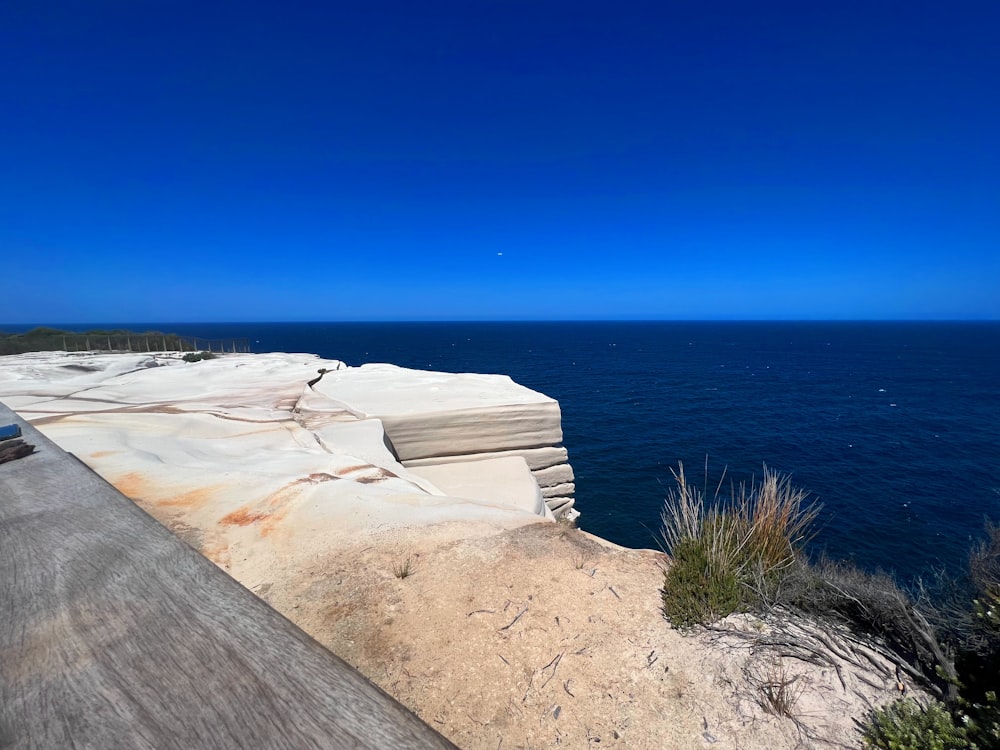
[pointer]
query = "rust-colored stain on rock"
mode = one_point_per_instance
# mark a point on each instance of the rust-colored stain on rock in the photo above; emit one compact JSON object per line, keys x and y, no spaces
{"x":321,"y":477}
{"x":372,"y":474}
{"x":138,"y":487}
{"x":244,"y":517}
{"x":192,"y":498}
{"x":133,"y":485}
{"x":379,"y":475}
{"x":352,"y":469}
{"x":270,"y":512}
{"x":103,"y":454}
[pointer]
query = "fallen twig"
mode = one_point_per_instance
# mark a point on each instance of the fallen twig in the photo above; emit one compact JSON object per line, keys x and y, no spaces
{"x":555,"y":659}
{"x":554,"y":664}
{"x":510,"y":624}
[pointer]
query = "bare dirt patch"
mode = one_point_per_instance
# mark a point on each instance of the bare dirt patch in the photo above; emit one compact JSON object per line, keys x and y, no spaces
{"x":544,"y":637}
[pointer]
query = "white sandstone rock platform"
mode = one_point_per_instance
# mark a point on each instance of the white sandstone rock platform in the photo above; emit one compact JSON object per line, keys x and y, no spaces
{"x":442,"y":419}
{"x":233,"y":450}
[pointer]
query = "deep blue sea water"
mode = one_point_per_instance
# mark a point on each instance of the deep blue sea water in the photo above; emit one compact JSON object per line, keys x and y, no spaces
{"x":895,"y":427}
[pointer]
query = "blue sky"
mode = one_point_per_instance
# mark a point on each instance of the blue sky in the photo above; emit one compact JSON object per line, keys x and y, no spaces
{"x":483,"y":159}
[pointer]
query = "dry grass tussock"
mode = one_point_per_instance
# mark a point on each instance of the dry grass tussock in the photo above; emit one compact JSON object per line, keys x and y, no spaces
{"x":403,"y":568}
{"x":764,"y":522}
{"x":728,"y":549}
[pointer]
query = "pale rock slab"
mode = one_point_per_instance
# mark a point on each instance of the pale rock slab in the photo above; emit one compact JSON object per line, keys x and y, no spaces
{"x":502,"y":480}
{"x":554,"y":475}
{"x":537,"y":458}
{"x":436,"y":419}
{"x":440,"y":414}
{"x":562,"y":507}
{"x":549,"y":466}
{"x":566,"y":489}
{"x":366,"y":439}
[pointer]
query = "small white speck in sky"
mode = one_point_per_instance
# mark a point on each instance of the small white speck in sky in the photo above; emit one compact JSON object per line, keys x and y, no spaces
{"x":499,"y":253}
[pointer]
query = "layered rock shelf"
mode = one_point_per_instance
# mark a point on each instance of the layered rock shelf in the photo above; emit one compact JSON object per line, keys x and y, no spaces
{"x":443,"y":420}
{"x":234,"y":449}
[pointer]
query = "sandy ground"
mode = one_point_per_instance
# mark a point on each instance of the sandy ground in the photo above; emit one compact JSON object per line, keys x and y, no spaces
{"x":544,"y":636}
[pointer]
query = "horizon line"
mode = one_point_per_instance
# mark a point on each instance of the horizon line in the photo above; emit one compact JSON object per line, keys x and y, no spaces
{"x":104,"y":324}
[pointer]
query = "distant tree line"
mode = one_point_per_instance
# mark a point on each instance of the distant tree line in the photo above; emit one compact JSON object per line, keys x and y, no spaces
{"x":44,"y":339}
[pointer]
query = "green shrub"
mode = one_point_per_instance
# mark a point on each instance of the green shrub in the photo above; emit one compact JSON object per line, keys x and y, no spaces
{"x":43,"y":331}
{"x":727,"y":553}
{"x":983,"y":720}
{"x":198,"y":356}
{"x":697,"y":589}
{"x":904,"y":725}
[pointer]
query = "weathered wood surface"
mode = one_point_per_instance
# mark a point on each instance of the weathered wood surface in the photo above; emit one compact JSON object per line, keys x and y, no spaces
{"x":115,"y":634}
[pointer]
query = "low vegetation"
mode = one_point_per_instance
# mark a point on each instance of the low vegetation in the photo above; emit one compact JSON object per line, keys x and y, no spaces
{"x":198,"y":356}
{"x":905,"y":724}
{"x":729,"y":553}
{"x":777,"y":691}
{"x":743,"y":551}
{"x":403,"y":568}
{"x":45,"y":339}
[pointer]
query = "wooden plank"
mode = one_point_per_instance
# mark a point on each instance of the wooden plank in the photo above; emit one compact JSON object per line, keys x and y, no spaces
{"x":114,"y":633}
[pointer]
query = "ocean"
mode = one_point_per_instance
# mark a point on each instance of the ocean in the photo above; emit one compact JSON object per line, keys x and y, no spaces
{"x":893,"y":426}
